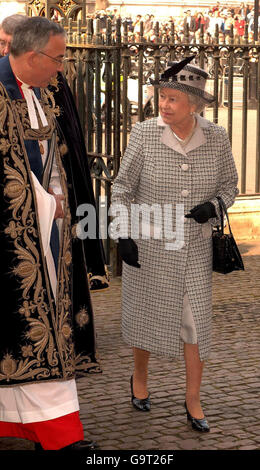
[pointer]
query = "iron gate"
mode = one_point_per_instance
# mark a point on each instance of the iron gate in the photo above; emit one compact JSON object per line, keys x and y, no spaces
{"x":102,"y":66}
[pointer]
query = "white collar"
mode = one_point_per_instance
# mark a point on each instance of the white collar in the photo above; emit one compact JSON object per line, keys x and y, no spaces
{"x":33,"y":103}
{"x":197,"y":139}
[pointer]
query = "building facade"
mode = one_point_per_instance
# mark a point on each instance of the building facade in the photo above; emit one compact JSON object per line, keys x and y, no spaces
{"x":158,"y":8}
{"x":161,"y":8}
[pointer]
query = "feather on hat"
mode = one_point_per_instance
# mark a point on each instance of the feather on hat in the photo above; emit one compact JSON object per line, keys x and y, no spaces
{"x":176,"y":67}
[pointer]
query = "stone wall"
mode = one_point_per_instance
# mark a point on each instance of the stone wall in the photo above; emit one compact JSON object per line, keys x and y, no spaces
{"x":244,"y":217}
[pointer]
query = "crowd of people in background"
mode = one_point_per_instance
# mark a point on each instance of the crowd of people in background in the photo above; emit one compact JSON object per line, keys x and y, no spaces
{"x":223,"y":16}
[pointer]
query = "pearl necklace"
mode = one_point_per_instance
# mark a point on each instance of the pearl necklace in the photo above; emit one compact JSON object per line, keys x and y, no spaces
{"x":186,"y":140}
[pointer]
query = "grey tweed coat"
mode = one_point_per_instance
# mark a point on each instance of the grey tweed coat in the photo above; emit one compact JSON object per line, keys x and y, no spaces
{"x":156,"y":170}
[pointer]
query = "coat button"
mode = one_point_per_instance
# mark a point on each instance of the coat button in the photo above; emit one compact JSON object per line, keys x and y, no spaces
{"x":184,"y":192}
{"x":185,"y":167}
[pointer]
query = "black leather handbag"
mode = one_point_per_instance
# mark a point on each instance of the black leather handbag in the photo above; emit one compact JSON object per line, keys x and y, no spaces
{"x":226,"y":255}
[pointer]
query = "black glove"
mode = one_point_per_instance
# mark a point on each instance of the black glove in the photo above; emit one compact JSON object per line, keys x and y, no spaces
{"x":128,"y":251}
{"x":202,"y":213}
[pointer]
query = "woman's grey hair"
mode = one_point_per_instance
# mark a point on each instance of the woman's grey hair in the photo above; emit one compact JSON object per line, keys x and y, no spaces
{"x":10,"y":23}
{"x":199,"y":102}
{"x":33,"y":35}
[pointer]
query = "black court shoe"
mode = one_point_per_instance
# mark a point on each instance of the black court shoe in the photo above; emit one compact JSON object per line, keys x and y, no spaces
{"x":141,"y":404}
{"x":79,"y":446}
{"x":197,"y":424}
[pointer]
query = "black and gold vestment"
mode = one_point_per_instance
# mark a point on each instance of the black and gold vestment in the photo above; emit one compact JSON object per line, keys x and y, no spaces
{"x":40,"y":340}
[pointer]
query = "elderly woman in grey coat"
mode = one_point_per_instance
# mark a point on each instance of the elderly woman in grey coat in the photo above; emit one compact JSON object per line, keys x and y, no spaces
{"x":172,"y":171}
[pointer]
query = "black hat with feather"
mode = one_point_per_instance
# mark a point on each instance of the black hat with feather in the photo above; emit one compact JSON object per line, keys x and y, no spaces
{"x":186,"y":78}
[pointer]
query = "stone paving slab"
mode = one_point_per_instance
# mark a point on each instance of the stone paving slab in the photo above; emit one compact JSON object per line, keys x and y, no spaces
{"x":231,"y":381}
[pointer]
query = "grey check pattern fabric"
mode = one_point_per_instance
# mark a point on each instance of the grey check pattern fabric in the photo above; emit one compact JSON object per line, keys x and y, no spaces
{"x":155,"y":173}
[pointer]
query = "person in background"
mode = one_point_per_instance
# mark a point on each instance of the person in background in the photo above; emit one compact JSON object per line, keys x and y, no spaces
{"x":7,"y":28}
{"x":216,"y":7}
{"x":189,"y":20}
{"x":239,"y":25}
{"x":229,"y":21}
{"x":178,"y":161}
{"x":244,"y":10}
{"x":200,"y":21}
{"x":216,"y":20}
{"x":137,"y":26}
{"x":148,"y":25}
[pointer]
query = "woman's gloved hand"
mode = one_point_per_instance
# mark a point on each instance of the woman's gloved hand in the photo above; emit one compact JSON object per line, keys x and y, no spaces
{"x":202,"y":213}
{"x":128,"y":251}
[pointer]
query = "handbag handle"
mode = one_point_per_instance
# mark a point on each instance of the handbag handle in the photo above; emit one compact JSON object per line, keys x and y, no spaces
{"x":222,"y":207}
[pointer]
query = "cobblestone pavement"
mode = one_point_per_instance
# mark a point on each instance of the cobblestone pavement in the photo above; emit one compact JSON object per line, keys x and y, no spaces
{"x":231,"y":380}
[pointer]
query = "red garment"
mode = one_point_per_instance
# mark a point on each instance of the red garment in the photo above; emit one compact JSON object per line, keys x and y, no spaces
{"x":20,"y":86}
{"x":240,"y":27}
{"x":52,"y":434}
{"x":199,"y":22}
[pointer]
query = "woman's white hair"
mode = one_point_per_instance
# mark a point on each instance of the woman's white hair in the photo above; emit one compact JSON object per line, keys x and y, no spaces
{"x":199,"y":102}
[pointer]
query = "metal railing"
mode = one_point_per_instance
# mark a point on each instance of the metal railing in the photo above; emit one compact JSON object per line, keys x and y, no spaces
{"x":105,"y":67}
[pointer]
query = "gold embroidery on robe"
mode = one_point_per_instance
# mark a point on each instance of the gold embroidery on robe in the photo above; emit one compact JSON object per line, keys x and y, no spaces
{"x":50,"y":110}
{"x":47,"y":350}
{"x":82,"y":317}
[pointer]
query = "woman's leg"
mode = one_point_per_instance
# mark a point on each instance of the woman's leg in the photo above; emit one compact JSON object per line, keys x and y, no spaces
{"x":140,"y":375}
{"x":194,"y":369}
